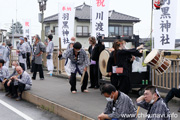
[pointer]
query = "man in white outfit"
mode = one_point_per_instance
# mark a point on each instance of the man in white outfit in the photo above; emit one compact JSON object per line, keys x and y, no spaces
{"x":49,"y":54}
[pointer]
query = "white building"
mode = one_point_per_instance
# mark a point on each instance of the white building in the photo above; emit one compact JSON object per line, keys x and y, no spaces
{"x":119,"y":25}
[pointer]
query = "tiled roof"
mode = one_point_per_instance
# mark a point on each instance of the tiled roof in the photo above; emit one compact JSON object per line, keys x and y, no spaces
{"x":82,"y":12}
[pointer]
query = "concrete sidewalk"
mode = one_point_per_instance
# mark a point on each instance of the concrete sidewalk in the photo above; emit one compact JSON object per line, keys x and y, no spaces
{"x":54,"y":94}
{"x":57,"y":90}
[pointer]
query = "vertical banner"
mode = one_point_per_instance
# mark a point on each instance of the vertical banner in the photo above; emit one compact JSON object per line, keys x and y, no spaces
{"x":27,"y":29}
{"x":66,"y":23}
{"x":100,"y":12}
{"x":164,"y":31}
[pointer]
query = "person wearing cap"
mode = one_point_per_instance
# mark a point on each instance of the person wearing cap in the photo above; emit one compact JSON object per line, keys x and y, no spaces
{"x":7,"y":53}
{"x":21,"y":50}
{"x":49,"y":54}
{"x":152,"y":101}
{"x":28,"y":52}
{"x":4,"y":72}
{"x":119,"y":106}
{"x":79,"y":63}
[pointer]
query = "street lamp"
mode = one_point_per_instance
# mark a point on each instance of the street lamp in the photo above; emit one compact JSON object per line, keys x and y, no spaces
{"x":42,"y":8}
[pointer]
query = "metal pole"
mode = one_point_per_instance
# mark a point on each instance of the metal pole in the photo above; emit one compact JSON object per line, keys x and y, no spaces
{"x":42,"y":30}
{"x":152,"y":42}
{"x":13,"y":32}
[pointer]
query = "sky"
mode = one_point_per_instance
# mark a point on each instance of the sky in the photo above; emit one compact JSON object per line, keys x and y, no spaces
{"x":29,"y":9}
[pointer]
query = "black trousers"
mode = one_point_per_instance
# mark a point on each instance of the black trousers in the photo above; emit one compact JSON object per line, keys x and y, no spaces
{"x":38,"y":67}
{"x":173,"y":92}
{"x":28,"y":54}
{"x":94,"y":75}
{"x":12,"y":88}
{"x":6,"y":87}
{"x":22,"y":65}
{"x":115,"y":81}
{"x":72,"y":82}
{"x":121,"y":83}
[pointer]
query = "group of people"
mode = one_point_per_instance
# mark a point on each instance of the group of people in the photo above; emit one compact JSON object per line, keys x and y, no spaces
{"x":120,"y":105}
{"x":15,"y":83}
{"x":20,"y":79}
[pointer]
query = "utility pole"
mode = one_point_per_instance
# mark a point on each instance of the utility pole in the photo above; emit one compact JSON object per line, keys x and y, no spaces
{"x":42,"y":8}
{"x":13,"y":32}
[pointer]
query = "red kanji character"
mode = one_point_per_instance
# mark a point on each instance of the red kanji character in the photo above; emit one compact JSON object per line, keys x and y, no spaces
{"x":68,"y":8}
{"x":100,"y":3}
{"x":26,"y":24}
{"x":63,"y":8}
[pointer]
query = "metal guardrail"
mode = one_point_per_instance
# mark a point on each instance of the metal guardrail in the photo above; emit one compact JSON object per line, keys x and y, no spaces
{"x":170,"y":78}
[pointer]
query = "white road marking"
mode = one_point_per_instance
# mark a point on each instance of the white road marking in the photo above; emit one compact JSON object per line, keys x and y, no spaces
{"x":15,"y":110}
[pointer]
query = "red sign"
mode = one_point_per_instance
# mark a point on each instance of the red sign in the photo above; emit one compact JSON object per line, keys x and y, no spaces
{"x":27,"y":24}
{"x":100,"y":3}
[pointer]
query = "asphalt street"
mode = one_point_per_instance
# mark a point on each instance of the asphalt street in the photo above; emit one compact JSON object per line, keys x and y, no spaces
{"x":22,"y":110}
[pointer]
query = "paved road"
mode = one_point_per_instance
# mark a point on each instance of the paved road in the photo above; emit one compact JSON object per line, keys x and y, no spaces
{"x":22,"y":110}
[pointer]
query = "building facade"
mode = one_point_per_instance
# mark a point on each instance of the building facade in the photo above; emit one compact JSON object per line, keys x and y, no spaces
{"x":119,"y":25}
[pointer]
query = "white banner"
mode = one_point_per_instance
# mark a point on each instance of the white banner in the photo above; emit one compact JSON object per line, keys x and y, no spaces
{"x":164,"y":31}
{"x":27,"y":29}
{"x":66,"y":23}
{"x":100,"y":12}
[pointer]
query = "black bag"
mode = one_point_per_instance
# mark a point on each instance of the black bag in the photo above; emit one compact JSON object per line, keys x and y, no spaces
{"x":48,"y":56}
{"x":23,"y":55}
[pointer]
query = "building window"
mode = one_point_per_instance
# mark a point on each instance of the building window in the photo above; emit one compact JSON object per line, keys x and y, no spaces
{"x":47,"y":30}
{"x":111,"y":31}
{"x":128,"y":30}
{"x":125,"y":31}
{"x":82,"y":31}
{"x":55,"y":30}
{"x":120,"y":30}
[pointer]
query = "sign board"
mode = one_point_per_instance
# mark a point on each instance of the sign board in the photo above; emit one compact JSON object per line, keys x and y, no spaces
{"x":27,"y":29}
{"x":100,"y":16}
{"x":66,"y":23}
{"x":164,"y":31}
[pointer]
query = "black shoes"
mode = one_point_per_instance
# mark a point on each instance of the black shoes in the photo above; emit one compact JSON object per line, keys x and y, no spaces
{"x":96,"y":87}
{"x":8,"y":94}
{"x":179,"y":110}
{"x":91,"y":87}
{"x":14,"y":96}
{"x":33,"y":78}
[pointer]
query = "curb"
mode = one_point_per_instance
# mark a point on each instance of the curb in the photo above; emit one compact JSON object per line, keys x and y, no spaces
{"x":54,"y":107}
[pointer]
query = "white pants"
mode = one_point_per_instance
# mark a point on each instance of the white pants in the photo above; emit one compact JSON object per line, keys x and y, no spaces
{"x":50,"y":65}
